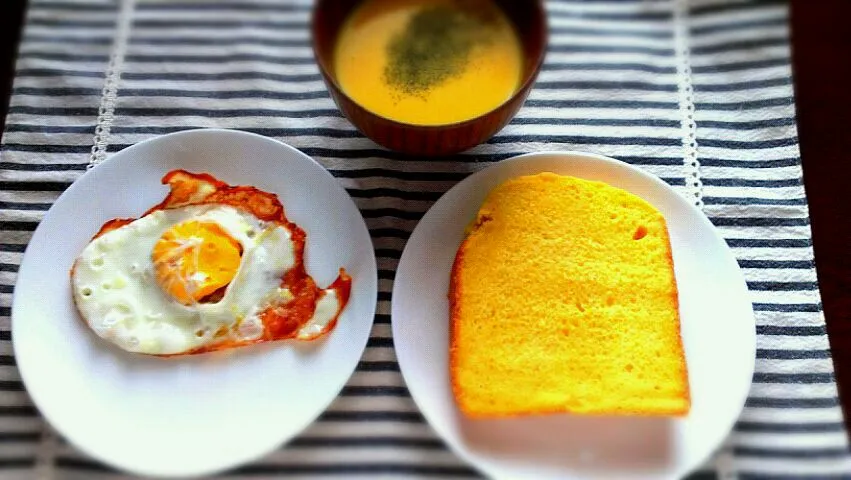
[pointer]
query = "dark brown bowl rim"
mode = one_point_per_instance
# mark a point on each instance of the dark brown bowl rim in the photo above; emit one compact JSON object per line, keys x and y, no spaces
{"x":527,"y":82}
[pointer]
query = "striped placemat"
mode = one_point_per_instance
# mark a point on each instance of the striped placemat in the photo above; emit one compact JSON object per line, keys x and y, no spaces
{"x":697,"y":92}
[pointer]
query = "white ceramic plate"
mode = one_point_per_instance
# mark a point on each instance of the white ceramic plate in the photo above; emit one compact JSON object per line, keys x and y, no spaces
{"x":717,"y":328}
{"x":199,"y":414}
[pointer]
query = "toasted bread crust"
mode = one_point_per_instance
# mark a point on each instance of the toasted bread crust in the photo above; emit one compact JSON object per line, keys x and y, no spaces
{"x":454,"y":315}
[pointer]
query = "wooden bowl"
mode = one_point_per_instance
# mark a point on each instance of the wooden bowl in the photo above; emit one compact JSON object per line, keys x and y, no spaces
{"x":529,"y":18}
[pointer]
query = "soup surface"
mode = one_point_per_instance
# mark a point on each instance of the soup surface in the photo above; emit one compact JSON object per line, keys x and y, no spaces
{"x":428,"y":62}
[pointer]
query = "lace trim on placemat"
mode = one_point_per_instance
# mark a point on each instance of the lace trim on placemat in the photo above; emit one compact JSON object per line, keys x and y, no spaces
{"x":46,"y":455}
{"x":723,"y":461}
{"x":106,"y":110}
{"x":693,"y":183}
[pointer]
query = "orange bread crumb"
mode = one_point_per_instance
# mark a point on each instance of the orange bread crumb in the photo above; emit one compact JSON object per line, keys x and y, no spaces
{"x":563,"y":299}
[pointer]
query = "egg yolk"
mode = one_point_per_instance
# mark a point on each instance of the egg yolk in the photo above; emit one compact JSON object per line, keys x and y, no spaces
{"x":193,"y":260}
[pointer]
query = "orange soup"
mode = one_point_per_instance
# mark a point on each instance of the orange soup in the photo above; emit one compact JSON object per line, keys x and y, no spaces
{"x":428,"y":62}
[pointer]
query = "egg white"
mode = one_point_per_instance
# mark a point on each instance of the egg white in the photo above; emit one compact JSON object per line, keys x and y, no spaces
{"x":117,"y":294}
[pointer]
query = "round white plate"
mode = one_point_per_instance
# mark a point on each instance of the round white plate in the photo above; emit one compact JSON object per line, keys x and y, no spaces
{"x":717,"y":327}
{"x":197,"y":414}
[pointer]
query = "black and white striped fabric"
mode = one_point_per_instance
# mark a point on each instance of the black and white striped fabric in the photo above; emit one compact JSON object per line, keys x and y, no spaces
{"x":696,"y":92}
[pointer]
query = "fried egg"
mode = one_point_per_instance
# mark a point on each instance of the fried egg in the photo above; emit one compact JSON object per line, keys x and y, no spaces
{"x":211,"y":267}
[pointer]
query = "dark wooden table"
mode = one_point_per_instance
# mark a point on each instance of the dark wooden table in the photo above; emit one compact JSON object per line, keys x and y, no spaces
{"x":821,"y":47}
